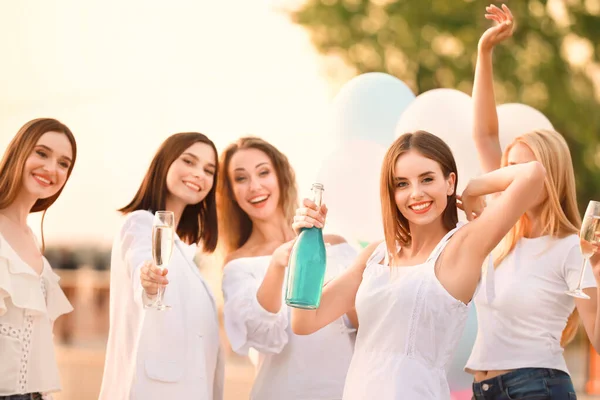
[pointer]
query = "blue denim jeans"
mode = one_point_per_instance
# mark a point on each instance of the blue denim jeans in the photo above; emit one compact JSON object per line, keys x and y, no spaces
{"x":28,"y":396}
{"x":526,"y":384}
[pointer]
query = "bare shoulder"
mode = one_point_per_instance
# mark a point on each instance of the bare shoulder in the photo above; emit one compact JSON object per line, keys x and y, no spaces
{"x":368,"y":251}
{"x":333,"y":239}
{"x":234,"y":255}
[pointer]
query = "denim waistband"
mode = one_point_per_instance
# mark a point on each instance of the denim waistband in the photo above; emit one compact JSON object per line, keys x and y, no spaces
{"x":499,"y":383}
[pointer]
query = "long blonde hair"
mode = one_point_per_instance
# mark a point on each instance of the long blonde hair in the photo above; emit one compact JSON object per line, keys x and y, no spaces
{"x":559,"y":213}
{"x":235,"y":225}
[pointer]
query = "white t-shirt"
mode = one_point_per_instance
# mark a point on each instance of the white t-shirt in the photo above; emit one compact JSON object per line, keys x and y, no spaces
{"x":522,"y":325}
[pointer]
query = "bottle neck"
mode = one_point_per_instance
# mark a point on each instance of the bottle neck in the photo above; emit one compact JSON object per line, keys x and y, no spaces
{"x":318,"y":196}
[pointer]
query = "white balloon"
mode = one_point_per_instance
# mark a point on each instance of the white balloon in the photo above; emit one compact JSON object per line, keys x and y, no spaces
{"x":515,"y":119}
{"x":350,"y":176}
{"x":447,"y":113}
{"x":368,"y":106}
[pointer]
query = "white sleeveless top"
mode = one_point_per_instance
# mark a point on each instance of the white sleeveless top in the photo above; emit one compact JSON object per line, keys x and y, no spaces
{"x":409,"y":326}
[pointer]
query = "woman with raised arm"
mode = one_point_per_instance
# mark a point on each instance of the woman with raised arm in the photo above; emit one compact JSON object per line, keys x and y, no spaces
{"x":257,"y":198}
{"x":34,"y":169}
{"x":411,"y":291}
{"x":172,"y":354}
{"x":521,"y":334}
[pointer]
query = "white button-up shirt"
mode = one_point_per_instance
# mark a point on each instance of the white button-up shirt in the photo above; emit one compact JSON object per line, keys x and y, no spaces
{"x":154,"y":354}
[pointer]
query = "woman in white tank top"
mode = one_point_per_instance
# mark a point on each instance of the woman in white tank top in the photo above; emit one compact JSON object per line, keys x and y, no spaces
{"x":518,"y":352}
{"x":411,"y":291}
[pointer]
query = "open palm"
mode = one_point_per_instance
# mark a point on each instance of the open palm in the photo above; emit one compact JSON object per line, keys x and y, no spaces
{"x":503,"y":30}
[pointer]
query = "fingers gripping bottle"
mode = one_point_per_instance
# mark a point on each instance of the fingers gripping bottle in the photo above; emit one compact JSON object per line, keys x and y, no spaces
{"x":306,"y":269}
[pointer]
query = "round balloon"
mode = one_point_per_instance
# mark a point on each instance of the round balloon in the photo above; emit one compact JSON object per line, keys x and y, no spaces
{"x":448,"y":114}
{"x":368,"y":106}
{"x":350,"y":176}
{"x":515,"y":119}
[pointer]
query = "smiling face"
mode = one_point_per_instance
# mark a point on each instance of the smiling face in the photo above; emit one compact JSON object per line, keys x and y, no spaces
{"x":46,"y":169}
{"x":191,"y":176}
{"x":421,"y":190}
{"x":254,"y":183}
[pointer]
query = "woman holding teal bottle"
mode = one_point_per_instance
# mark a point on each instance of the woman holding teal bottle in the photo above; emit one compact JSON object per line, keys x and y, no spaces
{"x":256,"y":199}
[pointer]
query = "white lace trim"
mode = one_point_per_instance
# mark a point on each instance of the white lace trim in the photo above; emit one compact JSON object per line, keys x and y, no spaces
{"x":26,"y":343}
{"x":10,"y":331}
{"x":25,"y":349}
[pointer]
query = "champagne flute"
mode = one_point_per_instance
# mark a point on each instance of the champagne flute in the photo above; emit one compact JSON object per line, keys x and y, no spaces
{"x":589,"y":238}
{"x":162,"y":248}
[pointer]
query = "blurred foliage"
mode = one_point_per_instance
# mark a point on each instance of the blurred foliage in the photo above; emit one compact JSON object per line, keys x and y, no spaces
{"x":551,"y":63}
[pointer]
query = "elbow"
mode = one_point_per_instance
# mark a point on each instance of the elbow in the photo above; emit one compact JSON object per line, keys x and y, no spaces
{"x":536,"y":173}
{"x":299,"y":328}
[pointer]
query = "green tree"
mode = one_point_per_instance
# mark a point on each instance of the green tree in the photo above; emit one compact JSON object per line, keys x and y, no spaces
{"x":550,"y":63}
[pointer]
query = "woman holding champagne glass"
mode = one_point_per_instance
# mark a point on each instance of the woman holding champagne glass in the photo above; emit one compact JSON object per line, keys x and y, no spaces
{"x":33,"y":172}
{"x":539,"y":274}
{"x":257,"y":198}
{"x":164,"y":344}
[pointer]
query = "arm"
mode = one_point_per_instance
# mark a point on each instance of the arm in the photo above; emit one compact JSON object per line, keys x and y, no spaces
{"x":589,"y":310}
{"x":269,"y":292}
{"x":247,"y":322}
{"x":521,"y":186}
{"x":485,"y":122}
{"x":337,"y":299}
{"x":136,"y":251}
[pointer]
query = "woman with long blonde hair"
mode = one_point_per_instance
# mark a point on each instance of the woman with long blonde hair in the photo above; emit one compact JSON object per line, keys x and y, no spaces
{"x":256,"y":201}
{"x":523,"y":330}
{"x":33,"y":172}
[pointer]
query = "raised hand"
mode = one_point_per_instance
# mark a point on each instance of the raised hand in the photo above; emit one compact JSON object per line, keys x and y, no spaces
{"x":309,"y":216}
{"x":472,"y":206}
{"x":500,"y":32}
{"x":281,"y":255}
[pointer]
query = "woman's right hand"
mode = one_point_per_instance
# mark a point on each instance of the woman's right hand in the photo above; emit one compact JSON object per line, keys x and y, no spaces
{"x":309,"y":216}
{"x":152,"y":278}
{"x":500,"y":32}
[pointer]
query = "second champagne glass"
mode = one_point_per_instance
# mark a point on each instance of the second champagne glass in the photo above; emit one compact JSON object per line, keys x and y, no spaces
{"x":163,"y":236}
{"x":589,"y":237}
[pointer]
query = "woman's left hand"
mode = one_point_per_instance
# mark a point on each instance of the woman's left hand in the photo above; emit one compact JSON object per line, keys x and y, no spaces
{"x":472,"y":206}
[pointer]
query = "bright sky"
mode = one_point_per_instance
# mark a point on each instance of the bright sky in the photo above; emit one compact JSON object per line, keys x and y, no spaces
{"x":125,"y":75}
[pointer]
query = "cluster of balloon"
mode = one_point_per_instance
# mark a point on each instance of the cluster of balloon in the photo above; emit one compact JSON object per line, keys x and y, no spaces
{"x":368,"y":114}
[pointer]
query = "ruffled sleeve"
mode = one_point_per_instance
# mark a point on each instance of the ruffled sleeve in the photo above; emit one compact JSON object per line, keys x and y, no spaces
{"x":136,"y":248}
{"x":20,"y":284}
{"x":246,"y":322}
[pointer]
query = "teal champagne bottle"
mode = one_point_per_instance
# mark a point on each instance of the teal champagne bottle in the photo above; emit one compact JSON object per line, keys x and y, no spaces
{"x":306,"y":269}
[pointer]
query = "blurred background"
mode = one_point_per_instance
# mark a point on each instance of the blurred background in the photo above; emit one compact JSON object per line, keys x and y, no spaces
{"x":125,"y":75}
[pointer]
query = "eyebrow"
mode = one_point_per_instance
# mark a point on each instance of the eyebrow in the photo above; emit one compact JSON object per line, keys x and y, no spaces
{"x":195,"y":157}
{"x":52,"y":151}
{"x":257,"y":165}
{"x":400,"y":178}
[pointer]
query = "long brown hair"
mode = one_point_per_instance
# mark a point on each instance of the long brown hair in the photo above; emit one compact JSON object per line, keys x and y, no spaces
{"x":198,"y":221}
{"x":559,"y":214}
{"x":15,"y":156}
{"x":395,"y":226}
{"x":236,"y":225}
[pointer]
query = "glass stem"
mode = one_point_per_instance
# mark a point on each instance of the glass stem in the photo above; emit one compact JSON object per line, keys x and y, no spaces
{"x":581,"y":274}
{"x":159,"y":294}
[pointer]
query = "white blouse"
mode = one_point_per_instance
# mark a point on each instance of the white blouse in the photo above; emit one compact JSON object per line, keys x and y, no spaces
{"x":522,"y":326}
{"x":160,"y":354}
{"x":29,"y":305}
{"x":290,"y":366}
